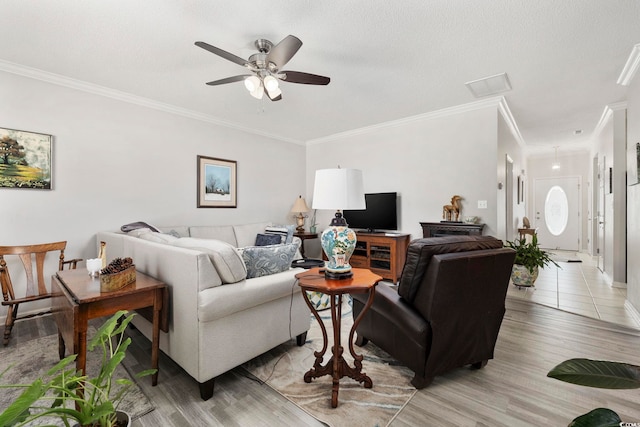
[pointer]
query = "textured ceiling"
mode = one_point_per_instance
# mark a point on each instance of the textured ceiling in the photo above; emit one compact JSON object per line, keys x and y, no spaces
{"x":387,"y":60}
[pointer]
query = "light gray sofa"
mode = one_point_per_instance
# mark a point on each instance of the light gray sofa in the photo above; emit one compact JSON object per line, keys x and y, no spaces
{"x":214,"y":326}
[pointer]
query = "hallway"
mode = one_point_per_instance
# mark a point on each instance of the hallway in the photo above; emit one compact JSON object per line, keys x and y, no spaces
{"x":578,"y":287}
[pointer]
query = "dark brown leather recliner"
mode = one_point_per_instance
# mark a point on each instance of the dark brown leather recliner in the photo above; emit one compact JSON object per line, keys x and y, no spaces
{"x":447,"y":309}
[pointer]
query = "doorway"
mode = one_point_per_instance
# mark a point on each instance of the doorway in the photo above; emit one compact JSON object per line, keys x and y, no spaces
{"x":557,"y":212}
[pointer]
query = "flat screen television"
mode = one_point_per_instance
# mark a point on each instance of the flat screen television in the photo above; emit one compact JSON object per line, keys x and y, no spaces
{"x":381,"y":213}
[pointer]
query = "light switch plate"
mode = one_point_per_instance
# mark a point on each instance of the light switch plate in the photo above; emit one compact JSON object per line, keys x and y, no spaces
{"x":482,"y":204}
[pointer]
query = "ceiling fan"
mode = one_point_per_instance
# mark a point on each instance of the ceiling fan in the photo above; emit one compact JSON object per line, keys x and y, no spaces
{"x":265,"y":67}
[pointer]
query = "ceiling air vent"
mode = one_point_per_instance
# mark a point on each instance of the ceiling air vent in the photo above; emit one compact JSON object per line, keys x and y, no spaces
{"x":491,"y":85}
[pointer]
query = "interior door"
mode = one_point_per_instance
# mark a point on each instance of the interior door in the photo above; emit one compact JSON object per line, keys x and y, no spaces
{"x":510,"y":227}
{"x":600,"y":215}
{"x":557,"y":208}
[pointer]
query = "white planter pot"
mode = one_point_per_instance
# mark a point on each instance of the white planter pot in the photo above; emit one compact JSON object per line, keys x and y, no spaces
{"x":123,"y":417}
{"x":521,"y":277}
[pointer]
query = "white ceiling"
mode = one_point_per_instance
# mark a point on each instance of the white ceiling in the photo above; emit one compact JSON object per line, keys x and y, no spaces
{"x":387,"y":59}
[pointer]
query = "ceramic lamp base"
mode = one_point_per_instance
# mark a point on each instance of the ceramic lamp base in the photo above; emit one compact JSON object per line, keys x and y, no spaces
{"x":338,"y":276}
{"x":338,"y":243}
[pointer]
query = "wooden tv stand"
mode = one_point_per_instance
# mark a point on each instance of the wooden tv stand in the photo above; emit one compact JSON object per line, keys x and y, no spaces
{"x":382,"y":253}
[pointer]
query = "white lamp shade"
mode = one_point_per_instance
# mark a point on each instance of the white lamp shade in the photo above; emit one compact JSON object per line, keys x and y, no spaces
{"x":300,"y":205}
{"x":338,"y":189}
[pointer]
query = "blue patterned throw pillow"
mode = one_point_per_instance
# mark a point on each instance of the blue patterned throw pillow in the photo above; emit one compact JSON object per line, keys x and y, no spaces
{"x":266,"y":260}
{"x":268,"y":239}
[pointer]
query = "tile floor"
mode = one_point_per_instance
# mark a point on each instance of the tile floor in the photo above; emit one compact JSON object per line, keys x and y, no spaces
{"x":578,"y":287}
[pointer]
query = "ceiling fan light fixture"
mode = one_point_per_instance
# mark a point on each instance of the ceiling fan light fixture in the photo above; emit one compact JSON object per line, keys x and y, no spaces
{"x":258,"y":92}
{"x":270,"y":83}
{"x":556,"y":164}
{"x":252,"y":83}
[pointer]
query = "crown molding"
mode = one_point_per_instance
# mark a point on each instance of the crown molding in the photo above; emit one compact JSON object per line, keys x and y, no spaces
{"x":445,"y":112}
{"x":499,"y":102}
{"x":606,"y":115}
{"x":504,"y":109}
{"x":60,"y":80}
{"x":631,"y":67}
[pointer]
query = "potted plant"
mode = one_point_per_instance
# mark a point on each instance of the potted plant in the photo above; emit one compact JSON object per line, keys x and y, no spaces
{"x":529,"y":258}
{"x":599,"y":374}
{"x":73,"y":397}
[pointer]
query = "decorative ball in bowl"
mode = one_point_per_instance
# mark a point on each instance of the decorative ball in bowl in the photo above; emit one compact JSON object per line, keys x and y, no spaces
{"x":470,"y":219}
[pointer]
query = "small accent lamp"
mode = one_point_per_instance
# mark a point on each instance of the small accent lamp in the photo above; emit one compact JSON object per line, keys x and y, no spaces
{"x":300,"y":208}
{"x":338,"y":189}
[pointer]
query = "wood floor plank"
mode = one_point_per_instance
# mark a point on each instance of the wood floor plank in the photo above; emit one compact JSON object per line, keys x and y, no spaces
{"x":512,"y":390}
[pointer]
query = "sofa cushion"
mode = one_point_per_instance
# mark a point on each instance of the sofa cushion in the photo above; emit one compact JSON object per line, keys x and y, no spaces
{"x":178,"y":230}
{"x":228,"y":300}
{"x":165,"y":238}
{"x":246,"y":233}
{"x":266,"y":260}
{"x":224,"y":257}
{"x":267,"y":239}
{"x":224,"y":233}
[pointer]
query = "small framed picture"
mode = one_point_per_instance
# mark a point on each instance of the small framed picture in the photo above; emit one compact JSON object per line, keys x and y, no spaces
{"x":25,"y":159}
{"x":217,"y":183}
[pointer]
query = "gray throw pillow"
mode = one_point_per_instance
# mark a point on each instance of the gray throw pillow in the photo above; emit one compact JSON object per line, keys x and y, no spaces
{"x":266,"y":260}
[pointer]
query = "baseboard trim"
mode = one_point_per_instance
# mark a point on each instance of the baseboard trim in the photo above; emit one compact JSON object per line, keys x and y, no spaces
{"x":632,"y":310}
{"x":619,"y":285}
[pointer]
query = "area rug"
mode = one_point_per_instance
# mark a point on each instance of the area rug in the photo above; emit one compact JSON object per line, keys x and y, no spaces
{"x":31,"y":359}
{"x":283,"y":369}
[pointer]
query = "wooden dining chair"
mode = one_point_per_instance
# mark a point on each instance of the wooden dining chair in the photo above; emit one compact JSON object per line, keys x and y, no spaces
{"x":35,"y":283}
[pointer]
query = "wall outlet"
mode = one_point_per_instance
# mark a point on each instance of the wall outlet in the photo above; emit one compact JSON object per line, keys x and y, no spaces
{"x":482,"y":204}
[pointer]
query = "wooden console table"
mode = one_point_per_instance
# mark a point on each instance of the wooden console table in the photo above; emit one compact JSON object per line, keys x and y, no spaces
{"x":363,"y":281}
{"x":437,"y":229}
{"x":77,"y":299}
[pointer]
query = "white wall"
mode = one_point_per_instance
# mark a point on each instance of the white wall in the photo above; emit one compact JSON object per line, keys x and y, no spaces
{"x":115,"y":162}
{"x":509,"y":146}
{"x":633,"y":196}
{"x":426,"y":160}
{"x":609,"y":148}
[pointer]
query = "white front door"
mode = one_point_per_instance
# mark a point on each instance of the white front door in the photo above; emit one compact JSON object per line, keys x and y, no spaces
{"x":557,"y":212}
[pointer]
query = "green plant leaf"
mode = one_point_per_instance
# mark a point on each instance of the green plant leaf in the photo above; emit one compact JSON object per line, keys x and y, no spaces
{"x":145,"y":373}
{"x":600,"y":417}
{"x":597,"y":373}
{"x":19,"y":409}
{"x":106,"y":331}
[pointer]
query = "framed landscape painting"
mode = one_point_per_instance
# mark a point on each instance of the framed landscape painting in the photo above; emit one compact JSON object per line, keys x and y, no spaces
{"x":217,"y":184}
{"x":25,"y":159}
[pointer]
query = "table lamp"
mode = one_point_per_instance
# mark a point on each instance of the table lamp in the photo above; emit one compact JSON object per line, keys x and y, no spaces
{"x":300,"y":208}
{"x":338,"y":189}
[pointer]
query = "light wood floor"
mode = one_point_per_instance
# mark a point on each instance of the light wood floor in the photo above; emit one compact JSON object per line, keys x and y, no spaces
{"x":512,"y":390}
{"x":579,"y":287}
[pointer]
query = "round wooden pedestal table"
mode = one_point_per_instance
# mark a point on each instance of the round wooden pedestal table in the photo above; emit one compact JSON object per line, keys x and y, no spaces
{"x":363,"y":281}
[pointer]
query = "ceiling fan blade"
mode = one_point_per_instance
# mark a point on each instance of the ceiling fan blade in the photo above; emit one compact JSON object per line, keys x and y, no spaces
{"x":304,"y":78}
{"x":229,"y":80}
{"x":281,"y":53}
{"x":224,"y":54}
